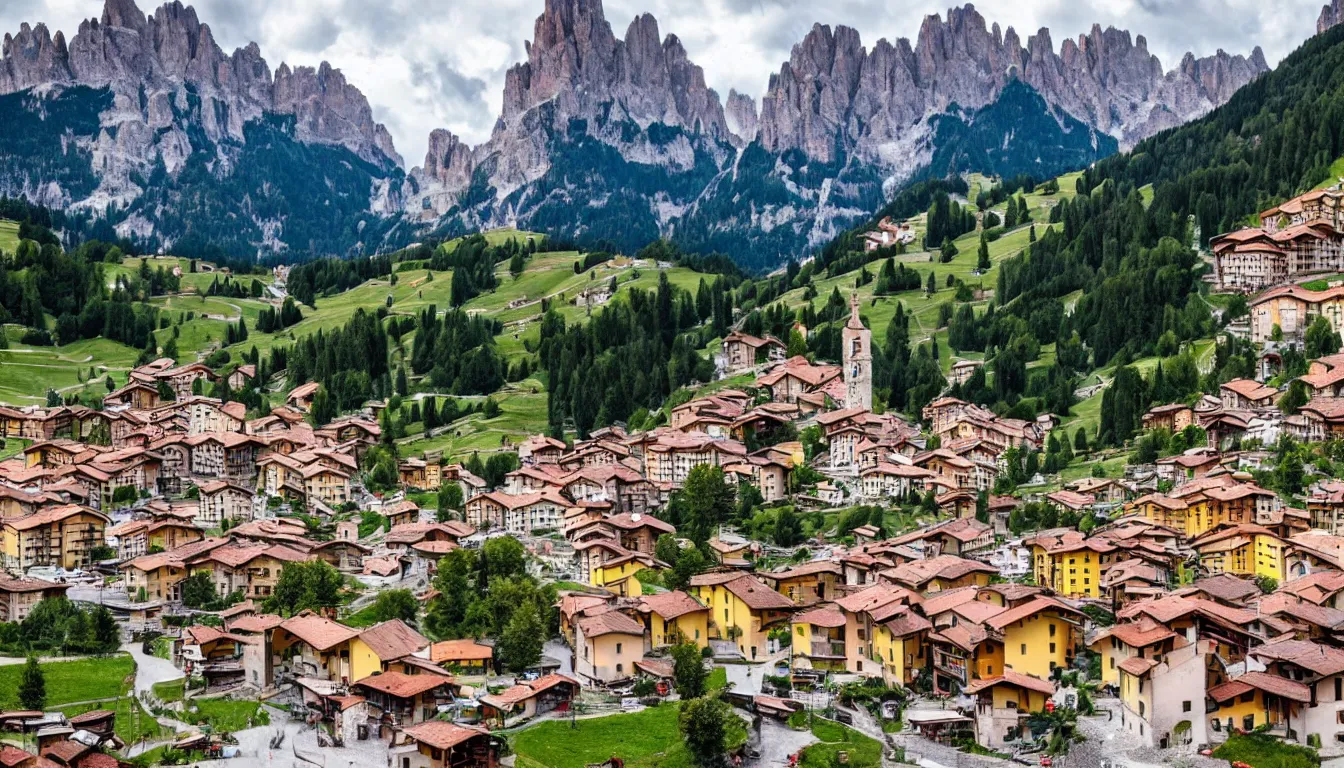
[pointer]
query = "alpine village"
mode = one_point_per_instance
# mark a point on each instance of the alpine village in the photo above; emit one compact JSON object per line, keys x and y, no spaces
{"x":955,"y":403}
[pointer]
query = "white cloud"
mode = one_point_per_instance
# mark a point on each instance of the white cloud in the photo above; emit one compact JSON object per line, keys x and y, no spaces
{"x":427,"y":64}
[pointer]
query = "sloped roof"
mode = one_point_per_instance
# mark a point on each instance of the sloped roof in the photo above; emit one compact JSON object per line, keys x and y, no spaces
{"x":403,"y":685}
{"x":1009,"y":677}
{"x":319,"y":632}
{"x":393,"y":639}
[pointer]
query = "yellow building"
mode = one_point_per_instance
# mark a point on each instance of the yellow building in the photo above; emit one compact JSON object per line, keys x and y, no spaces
{"x":63,"y":536}
{"x":1003,"y":704}
{"x":675,"y":617}
{"x":1256,"y":699}
{"x":898,"y":645}
{"x":372,"y":650}
{"x":819,"y":639}
{"x":1144,"y":639}
{"x":171,"y":534}
{"x":1071,"y":568}
{"x":742,"y":609}
{"x":313,"y":646}
{"x":806,"y":584}
{"x":618,"y":575}
{"x":466,"y":655}
{"x":1242,"y":550}
{"x":1038,"y":636}
{"x":329,"y":485}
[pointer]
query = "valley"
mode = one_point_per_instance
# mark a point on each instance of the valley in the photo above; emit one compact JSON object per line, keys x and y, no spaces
{"x":968,"y":400}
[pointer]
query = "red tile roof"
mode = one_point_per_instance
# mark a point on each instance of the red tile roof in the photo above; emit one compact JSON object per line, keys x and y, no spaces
{"x":402,"y":685}
{"x":1261,"y":681}
{"x":460,"y":650}
{"x":1009,"y":677}
{"x":670,"y":605}
{"x":441,"y":734}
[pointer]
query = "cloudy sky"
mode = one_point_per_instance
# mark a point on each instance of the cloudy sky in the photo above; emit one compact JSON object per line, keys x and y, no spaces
{"x":440,"y":63}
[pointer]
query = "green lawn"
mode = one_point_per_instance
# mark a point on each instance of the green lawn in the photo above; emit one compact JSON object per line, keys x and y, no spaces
{"x":226,"y":715}
{"x":923,"y":307}
{"x":863,"y":751}
{"x":26,"y":373}
{"x":9,"y":236}
{"x":173,"y":690}
{"x":647,"y":739}
{"x":103,"y":677}
{"x":364,"y":617}
{"x":522,"y":412}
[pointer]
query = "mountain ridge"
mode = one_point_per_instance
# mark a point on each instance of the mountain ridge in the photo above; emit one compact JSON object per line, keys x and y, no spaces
{"x":649,"y":149}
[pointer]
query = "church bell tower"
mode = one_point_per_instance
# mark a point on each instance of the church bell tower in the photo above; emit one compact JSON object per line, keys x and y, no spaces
{"x":858,"y":362}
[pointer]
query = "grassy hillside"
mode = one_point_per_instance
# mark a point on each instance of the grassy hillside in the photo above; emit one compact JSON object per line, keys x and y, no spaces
{"x":9,"y":235}
{"x":924,"y":307}
{"x":27,"y":372}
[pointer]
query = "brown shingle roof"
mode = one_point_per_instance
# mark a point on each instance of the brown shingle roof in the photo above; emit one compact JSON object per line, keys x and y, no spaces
{"x":317,"y":631}
{"x":393,"y":639}
{"x":1009,"y":677}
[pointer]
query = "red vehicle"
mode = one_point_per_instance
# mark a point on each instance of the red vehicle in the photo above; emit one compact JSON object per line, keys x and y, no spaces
{"x":1046,"y":762}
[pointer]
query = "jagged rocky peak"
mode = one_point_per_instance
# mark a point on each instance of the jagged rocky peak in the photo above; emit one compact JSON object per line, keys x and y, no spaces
{"x":33,"y":58}
{"x":448,"y":161}
{"x":1104,"y":78}
{"x":741,"y":117}
{"x":149,"y":58}
{"x":1331,"y":14}
{"x":329,"y":110}
{"x":576,"y":63}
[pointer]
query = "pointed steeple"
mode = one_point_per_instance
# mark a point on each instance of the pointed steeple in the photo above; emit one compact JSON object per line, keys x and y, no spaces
{"x":855,"y":322}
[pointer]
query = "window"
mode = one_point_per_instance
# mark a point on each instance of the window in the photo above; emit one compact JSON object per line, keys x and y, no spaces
{"x":1024,"y":649}
{"x":1185,"y":706}
{"x":1248,"y":723}
{"x":1052,"y":647}
{"x":1112,"y":662}
{"x":1052,"y":630}
{"x":618,"y":648}
{"x":1142,"y":709}
{"x":619,"y":669}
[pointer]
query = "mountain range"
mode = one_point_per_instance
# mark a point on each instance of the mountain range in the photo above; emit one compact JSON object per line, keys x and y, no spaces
{"x":144,"y":125}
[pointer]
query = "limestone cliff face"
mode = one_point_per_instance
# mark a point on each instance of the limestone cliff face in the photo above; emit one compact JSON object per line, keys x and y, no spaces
{"x":1331,"y":14}
{"x":615,"y":138}
{"x":832,"y":87}
{"x":580,"y":76}
{"x":169,"y":78}
{"x":740,"y":113}
{"x":860,"y":119}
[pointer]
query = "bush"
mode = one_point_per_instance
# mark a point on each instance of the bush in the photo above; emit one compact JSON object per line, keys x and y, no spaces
{"x":1261,"y":749}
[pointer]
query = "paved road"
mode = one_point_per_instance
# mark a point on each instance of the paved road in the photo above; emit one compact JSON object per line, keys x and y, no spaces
{"x":150,"y":669}
{"x":776,"y":742}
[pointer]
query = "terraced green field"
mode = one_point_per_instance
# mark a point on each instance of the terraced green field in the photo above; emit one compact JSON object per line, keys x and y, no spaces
{"x":26,"y":372}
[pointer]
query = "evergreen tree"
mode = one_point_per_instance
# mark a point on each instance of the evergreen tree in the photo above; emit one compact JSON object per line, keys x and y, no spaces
{"x":983,"y":263}
{"x":33,"y":686}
